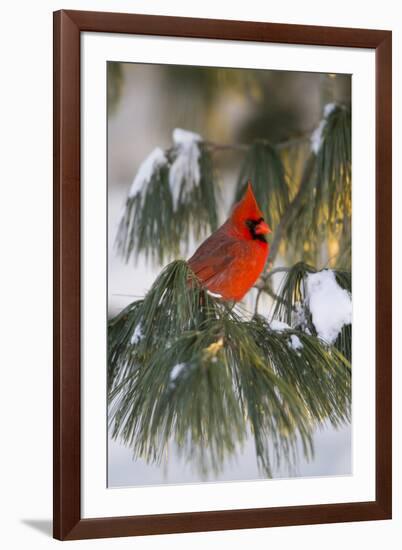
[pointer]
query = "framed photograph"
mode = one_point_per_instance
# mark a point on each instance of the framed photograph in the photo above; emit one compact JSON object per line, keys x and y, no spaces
{"x":222,"y":270}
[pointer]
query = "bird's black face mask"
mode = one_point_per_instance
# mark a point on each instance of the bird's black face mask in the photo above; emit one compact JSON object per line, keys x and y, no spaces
{"x":253,"y":225}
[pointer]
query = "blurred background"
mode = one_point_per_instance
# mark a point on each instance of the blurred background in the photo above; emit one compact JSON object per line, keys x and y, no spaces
{"x":226,"y":107}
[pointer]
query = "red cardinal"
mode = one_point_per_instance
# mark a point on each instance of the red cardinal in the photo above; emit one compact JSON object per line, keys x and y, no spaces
{"x":230,"y":261}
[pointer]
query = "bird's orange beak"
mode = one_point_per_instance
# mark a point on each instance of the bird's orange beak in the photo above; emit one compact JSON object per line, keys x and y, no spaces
{"x":262,"y":228}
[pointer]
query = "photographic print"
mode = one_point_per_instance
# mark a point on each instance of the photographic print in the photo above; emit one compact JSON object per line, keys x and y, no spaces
{"x":229,"y":274}
{"x":204,"y":356}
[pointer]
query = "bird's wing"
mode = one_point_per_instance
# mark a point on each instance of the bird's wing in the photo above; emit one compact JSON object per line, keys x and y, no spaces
{"x":214,"y":256}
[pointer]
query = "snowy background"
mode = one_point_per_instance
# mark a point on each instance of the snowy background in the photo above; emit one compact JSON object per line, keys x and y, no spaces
{"x":151,"y":106}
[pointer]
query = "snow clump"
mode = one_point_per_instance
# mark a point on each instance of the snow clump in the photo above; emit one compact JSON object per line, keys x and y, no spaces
{"x":294,"y":341}
{"x":329,"y":304}
{"x":185,"y":172}
{"x":316,"y":136}
{"x":176,"y":370}
{"x":152,"y":162}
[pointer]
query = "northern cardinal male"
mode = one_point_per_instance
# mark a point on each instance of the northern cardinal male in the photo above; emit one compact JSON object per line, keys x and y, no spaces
{"x":230,"y":261}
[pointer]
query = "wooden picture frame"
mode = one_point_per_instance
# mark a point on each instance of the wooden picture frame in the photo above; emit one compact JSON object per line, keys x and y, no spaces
{"x":68,"y":26}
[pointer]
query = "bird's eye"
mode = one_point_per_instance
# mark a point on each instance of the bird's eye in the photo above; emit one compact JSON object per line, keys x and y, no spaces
{"x":251,"y":224}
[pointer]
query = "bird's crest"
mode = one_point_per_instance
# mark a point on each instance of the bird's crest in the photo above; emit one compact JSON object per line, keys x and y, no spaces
{"x":247,"y":208}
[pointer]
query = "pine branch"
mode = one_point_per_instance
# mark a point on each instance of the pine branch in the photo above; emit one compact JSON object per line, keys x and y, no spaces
{"x":158,"y":223}
{"x":333,"y":183}
{"x":292,"y":209}
{"x":263,"y":167}
{"x":186,"y":367}
{"x":264,"y":285}
{"x":292,"y":306}
{"x":286,"y":144}
{"x":322,"y":204}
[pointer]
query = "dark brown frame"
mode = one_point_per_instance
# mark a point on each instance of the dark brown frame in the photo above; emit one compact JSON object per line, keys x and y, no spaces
{"x":68,"y":26}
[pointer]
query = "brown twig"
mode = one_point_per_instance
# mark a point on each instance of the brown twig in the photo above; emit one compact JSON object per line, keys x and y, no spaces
{"x":265,"y":285}
{"x":244,"y":146}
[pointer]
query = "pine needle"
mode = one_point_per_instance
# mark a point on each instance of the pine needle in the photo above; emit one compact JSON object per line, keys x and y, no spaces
{"x":153,"y":226}
{"x":186,"y":367}
{"x":291,"y":308}
{"x":263,"y":167}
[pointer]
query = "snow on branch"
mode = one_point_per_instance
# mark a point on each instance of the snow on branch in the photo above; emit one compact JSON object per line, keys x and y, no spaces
{"x":329,"y":304}
{"x":155,"y":160}
{"x":279,"y":326}
{"x":317,"y":303}
{"x":185,"y":171}
{"x":317,"y":135}
{"x":172,"y":197}
{"x":179,"y":356}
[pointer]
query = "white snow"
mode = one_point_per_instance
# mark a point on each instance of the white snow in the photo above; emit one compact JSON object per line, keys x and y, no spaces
{"x":299,"y":316}
{"x":181,"y":136}
{"x":295,"y":342}
{"x":176,"y":370}
{"x":330,"y":307}
{"x":214,"y":294}
{"x":184,"y":173}
{"x":279,"y":326}
{"x":329,"y":107}
{"x":329,"y":304}
{"x":152,"y":162}
{"x":137,"y":335}
{"x":316,"y":136}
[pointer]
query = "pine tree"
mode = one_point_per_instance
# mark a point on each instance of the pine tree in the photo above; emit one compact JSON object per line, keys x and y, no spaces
{"x":186,"y":367}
